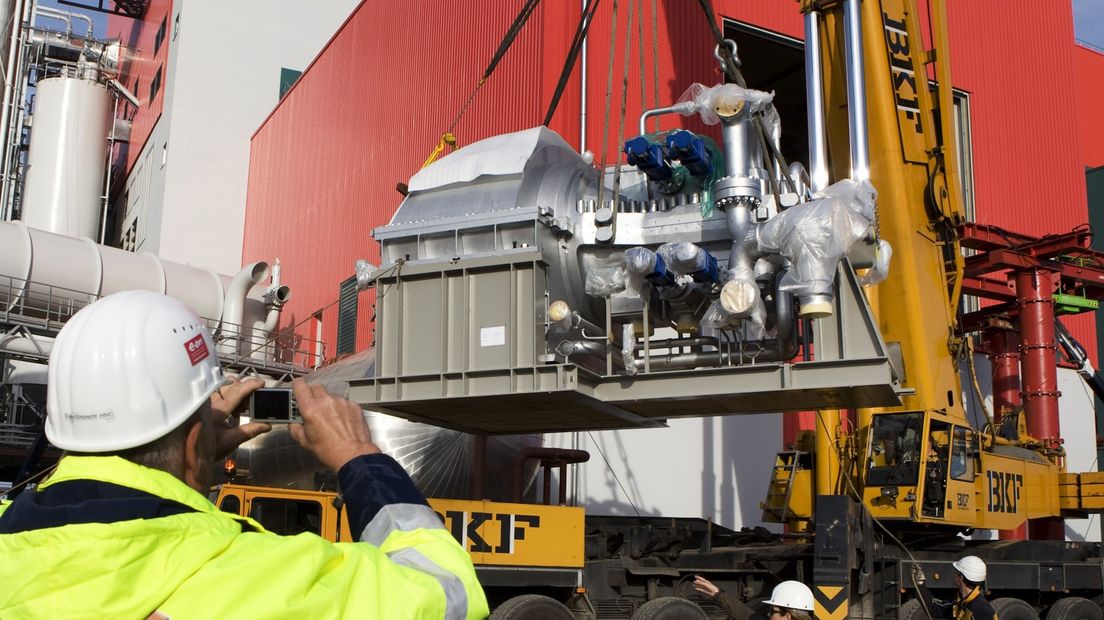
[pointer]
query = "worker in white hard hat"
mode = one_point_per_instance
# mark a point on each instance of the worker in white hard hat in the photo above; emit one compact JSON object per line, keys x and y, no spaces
{"x":123,"y":528}
{"x":970,"y":602}
{"x":789,"y":600}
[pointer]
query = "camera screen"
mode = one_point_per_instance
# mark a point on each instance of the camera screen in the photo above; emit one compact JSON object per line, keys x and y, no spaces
{"x":272,"y":404}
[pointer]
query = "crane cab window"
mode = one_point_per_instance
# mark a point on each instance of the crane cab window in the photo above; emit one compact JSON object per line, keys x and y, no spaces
{"x":287,"y":517}
{"x":230,"y":504}
{"x":963,"y":453}
{"x":895,"y":441}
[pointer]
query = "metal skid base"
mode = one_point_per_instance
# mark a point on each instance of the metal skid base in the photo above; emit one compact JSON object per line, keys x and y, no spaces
{"x":433,"y":364}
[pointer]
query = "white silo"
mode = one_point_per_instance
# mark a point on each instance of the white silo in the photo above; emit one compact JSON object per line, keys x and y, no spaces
{"x":67,"y":157}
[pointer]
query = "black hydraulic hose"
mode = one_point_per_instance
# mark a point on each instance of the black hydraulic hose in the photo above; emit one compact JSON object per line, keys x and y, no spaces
{"x":1076,"y":354}
{"x":572,"y":56}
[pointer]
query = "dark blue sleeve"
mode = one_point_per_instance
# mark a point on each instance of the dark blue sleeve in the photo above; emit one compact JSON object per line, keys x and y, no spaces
{"x":371,"y":481}
{"x":934,"y":607}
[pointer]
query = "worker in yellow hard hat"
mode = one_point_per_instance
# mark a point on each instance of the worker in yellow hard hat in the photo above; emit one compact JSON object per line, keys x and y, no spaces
{"x":123,"y":528}
{"x":970,"y":602}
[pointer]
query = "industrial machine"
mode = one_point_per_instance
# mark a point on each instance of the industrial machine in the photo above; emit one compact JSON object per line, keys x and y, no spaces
{"x":523,"y":290}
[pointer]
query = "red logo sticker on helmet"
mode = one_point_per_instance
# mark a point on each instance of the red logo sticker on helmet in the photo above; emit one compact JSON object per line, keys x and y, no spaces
{"x":197,"y":349}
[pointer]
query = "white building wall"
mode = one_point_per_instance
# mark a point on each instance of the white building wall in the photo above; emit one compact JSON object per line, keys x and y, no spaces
{"x":717,"y":468}
{"x":222,"y":81}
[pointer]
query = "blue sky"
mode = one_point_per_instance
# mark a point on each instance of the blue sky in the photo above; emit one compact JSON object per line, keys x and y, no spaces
{"x":1088,"y":22}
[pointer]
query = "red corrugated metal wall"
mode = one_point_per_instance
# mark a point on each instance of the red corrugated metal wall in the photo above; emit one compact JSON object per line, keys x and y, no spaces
{"x":365,"y":114}
{"x":142,"y":65}
{"x":1090,"y":100}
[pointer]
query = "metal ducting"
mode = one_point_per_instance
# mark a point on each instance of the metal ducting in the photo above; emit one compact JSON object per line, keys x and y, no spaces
{"x":440,"y":461}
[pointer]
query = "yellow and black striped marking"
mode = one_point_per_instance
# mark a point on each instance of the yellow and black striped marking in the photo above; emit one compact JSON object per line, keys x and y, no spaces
{"x":830,"y":602}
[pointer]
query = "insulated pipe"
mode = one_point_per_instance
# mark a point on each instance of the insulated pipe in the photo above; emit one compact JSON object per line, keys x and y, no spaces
{"x":43,"y":272}
{"x":1004,"y":355}
{"x":232,"y":317}
{"x":1039,"y":349}
{"x":814,"y":89}
{"x":549,"y":457}
{"x":735,"y":132}
{"x":22,"y":345}
{"x":856,"y":91}
{"x":684,"y":108}
{"x":9,"y":101}
{"x":16,"y":26}
{"x":262,"y":330}
{"x":1039,"y":371}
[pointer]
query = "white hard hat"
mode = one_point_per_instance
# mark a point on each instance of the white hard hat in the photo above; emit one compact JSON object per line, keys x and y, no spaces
{"x":971,"y":568}
{"x":127,"y":370}
{"x":791,"y":595}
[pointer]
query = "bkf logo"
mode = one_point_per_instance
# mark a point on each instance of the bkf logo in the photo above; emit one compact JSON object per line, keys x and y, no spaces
{"x":197,"y":349}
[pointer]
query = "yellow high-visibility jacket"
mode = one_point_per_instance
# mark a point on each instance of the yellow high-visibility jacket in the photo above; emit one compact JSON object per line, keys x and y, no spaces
{"x":106,"y":538}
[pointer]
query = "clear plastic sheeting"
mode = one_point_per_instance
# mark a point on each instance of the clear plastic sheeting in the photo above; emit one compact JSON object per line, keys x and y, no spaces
{"x":880,"y":269}
{"x":684,"y":257}
{"x":712,"y":102}
{"x":628,"y":348}
{"x":772,"y":126}
{"x":605,"y":280}
{"x":816,"y":234}
{"x":640,"y":260}
{"x":365,"y":274}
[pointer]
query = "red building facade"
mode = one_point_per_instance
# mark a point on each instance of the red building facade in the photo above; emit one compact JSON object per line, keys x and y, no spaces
{"x":367,"y":112}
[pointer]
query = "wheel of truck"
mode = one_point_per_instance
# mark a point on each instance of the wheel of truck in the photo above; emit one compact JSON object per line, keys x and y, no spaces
{"x":669,"y":608}
{"x":1074,"y":608}
{"x":532,"y":607}
{"x":1013,"y":609}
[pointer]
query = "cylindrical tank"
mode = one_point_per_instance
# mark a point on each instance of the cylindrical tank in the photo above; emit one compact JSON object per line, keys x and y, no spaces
{"x":67,"y":157}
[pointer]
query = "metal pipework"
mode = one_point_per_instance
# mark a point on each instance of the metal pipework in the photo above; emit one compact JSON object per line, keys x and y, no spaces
{"x":814,"y":89}
{"x":856,"y":91}
{"x":562,"y":315}
{"x":685,"y":108}
{"x":549,"y":458}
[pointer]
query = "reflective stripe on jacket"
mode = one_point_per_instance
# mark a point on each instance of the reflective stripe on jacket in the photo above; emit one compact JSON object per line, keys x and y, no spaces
{"x":104,"y":537}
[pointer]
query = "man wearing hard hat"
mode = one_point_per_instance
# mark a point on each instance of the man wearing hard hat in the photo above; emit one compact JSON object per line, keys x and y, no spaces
{"x":122,"y":529}
{"x":790,"y":600}
{"x":970,"y":603}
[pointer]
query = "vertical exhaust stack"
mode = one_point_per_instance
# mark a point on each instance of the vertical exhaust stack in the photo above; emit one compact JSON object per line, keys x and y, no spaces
{"x":233,"y":318}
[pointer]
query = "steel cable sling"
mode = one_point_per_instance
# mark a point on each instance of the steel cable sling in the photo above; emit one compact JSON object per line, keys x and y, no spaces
{"x":448,"y":138}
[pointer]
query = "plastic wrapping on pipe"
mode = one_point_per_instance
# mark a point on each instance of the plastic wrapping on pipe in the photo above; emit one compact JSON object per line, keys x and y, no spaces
{"x":726,"y":99}
{"x":628,"y":348}
{"x":717,"y":317}
{"x":685,"y":258}
{"x":816,"y":234}
{"x":880,"y":269}
{"x":605,"y":280}
{"x":772,"y":126}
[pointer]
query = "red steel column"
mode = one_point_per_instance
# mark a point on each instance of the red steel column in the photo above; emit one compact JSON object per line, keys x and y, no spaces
{"x":1003,"y":344}
{"x":1039,"y":372}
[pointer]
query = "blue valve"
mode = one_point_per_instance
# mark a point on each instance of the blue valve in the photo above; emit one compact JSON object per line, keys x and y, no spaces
{"x":649,"y":158}
{"x":660,"y":276}
{"x":691,"y":151}
{"x":709,"y":272}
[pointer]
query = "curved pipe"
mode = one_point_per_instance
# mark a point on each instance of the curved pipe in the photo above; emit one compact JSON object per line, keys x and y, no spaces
{"x":262,"y":330}
{"x":549,"y":458}
{"x":232,"y":327}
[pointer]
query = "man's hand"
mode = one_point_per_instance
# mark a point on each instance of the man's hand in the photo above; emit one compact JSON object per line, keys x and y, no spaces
{"x":918,"y":577}
{"x":333,"y":428}
{"x":705,"y":586}
{"x":230,"y":401}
